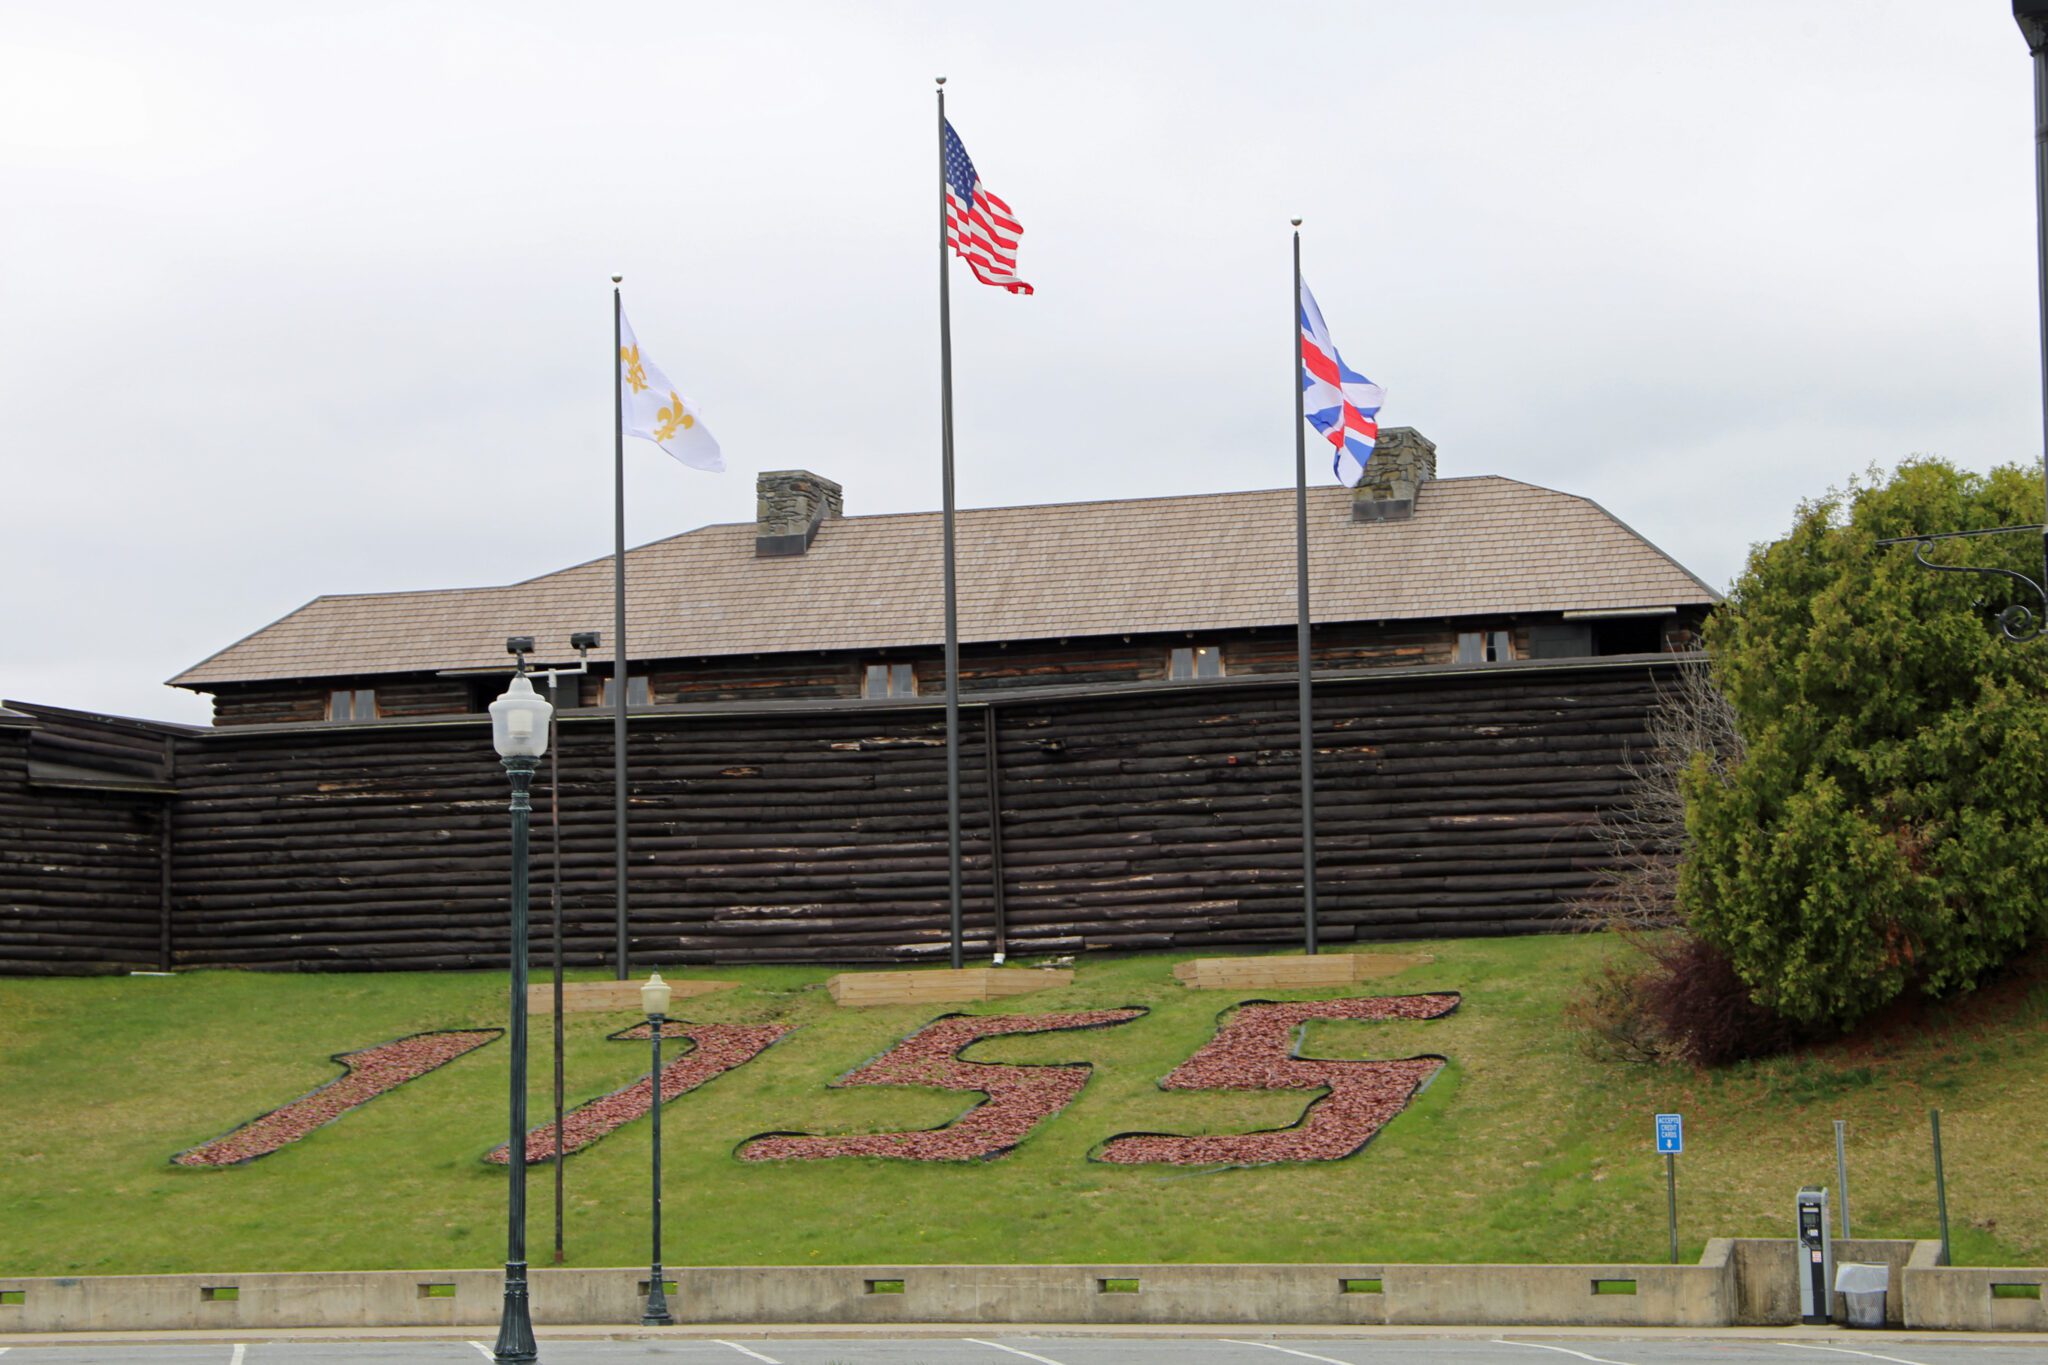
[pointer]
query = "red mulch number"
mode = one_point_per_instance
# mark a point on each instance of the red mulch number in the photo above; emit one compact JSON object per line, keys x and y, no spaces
{"x":371,"y":1072}
{"x":718,"y":1049}
{"x":1258,"y":1049}
{"x":1019,"y":1097}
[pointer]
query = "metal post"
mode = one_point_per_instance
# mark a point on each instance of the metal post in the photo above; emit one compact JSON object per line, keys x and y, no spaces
{"x":515,"y":1321}
{"x":657,"y":1314}
{"x":1940,"y":1183}
{"x":2033,"y":21}
{"x":1301,"y":626}
{"x":954,"y":919}
{"x":555,"y":904}
{"x":164,"y":953}
{"x":619,"y":675}
{"x":992,"y":762}
{"x":1671,"y":1200}
{"x":1842,"y":1176}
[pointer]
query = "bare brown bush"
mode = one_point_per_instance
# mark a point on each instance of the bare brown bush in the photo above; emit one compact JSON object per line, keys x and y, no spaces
{"x":1671,"y":998}
{"x":1645,"y":832}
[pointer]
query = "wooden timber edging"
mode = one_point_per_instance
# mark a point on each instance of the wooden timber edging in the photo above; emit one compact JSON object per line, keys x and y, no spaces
{"x":944,"y":985}
{"x":616,"y":997}
{"x":1292,"y":973}
{"x":1449,"y":804}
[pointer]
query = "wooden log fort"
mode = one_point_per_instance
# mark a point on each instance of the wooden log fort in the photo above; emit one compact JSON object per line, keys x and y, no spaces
{"x":1450,"y":801}
{"x":84,"y":882}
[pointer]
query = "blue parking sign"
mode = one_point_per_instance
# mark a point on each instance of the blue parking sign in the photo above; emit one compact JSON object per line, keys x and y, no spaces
{"x":1670,"y":1133}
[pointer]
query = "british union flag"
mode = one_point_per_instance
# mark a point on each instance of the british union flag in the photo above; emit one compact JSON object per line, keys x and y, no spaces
{"x":1338,"y":401}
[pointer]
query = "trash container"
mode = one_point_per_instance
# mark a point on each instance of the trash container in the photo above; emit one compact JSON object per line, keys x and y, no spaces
{"x":1862,"y":1288}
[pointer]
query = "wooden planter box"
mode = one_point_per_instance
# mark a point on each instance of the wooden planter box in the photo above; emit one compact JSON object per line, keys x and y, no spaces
{"x":944,"y":986}
{"x":1292,"y":973}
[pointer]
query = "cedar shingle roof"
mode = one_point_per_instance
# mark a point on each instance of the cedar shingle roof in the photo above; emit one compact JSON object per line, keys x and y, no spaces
{"x":1475,"y":546}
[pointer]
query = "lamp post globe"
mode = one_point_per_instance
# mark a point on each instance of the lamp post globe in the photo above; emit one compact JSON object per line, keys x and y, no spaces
{"x":519,"y":732}
{"x":519,"y":722}
{"x":654,"y":997}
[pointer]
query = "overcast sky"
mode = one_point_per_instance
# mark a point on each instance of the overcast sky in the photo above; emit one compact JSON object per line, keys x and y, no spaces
{"x":313,"y":298}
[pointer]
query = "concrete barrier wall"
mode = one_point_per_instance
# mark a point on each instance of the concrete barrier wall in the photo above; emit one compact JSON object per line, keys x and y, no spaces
{"x":1967,"y":1298}
{"x":1700,"y":1295}
{"x":1767,"y":1277}
{"x":1736,"y":1281}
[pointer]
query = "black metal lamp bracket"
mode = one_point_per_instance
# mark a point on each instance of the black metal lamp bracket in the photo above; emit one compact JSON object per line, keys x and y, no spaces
{"x":2019,"y":622}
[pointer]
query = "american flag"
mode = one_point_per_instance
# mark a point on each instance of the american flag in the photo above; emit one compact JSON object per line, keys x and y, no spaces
{"x":980,"y":227}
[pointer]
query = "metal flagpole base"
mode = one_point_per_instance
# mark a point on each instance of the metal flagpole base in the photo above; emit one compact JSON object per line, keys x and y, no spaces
{"x":515,"y":1322}
{"x":656,"y":1314}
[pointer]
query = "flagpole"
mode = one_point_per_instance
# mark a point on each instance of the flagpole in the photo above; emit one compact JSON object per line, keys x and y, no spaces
{"x":619,"y":678}
{"x":953,"y":920}
{"x":1302,"y":661}
{"x":555,"y":897}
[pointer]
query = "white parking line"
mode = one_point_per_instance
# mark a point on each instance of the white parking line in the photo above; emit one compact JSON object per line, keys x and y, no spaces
{"x":1287,"y":1350}
{"x":1565,"y":1350}
{"x":486,"y":1352}
{"x":1845,"y":1351}
{"x":1042,"y":1360}
{"x":771,"y":1360}
{"x":240,"y":1351}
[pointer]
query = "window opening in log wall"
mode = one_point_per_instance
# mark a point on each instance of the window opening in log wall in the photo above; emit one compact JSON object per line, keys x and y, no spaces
{"x":889,"y":680}
{"x":1195,"y":661}
{"x":358,"y":703}
{"x":637,"y":692}
{"x":1485,"y":647}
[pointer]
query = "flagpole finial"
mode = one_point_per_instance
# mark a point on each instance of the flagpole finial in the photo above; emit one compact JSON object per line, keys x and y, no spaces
{"x":617,"y":278}
{"x":940,"y":79}
{"x":1295,"y":221}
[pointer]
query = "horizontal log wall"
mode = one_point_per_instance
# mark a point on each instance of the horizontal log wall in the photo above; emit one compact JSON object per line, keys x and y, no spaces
{"x":1451,"y":803}
{"x":80,"y":871}
{"x":299,"y":703}
{"x":113,"y":748}
{"x":1340,"y":646}
{"x":1462,"y":806}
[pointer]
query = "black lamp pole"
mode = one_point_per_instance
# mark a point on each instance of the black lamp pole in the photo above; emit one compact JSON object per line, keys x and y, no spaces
{"x":2033,"y":20}
{"x":2027,"y":619}
{"x":515,"y":1321}
{"x":657,"y":1314}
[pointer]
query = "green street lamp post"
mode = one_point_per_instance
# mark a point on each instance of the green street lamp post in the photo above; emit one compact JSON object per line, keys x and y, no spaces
{"x":654,"y":999}
{"x":519,"y":732}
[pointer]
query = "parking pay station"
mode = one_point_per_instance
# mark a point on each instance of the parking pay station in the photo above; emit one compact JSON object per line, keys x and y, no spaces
{"x":1816,"y":1255}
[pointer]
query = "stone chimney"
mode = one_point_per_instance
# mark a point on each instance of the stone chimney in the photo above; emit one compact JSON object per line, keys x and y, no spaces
{"x":1403,"y":460}
{"x":789,"y":507}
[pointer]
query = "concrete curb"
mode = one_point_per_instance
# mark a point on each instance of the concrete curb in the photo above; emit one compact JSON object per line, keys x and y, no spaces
{"x":1737,"y":1282}
{"x":856,"y":1331}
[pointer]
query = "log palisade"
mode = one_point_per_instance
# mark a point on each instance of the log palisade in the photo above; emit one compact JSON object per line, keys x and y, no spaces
{"x":1451,"y":800}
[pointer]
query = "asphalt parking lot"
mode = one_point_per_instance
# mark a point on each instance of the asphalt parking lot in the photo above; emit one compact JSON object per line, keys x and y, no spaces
{"x":1067,"y":1350}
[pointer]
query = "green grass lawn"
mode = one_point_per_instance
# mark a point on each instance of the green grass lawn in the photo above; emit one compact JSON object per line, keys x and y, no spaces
{"x":1523,"y":1150}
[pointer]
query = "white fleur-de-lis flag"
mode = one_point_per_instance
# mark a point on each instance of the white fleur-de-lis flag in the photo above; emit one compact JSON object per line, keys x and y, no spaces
{"x":656,"y":409}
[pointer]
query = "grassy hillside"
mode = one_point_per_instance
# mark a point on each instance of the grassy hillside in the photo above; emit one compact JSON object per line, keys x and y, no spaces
{"x":1522,"y":1150}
